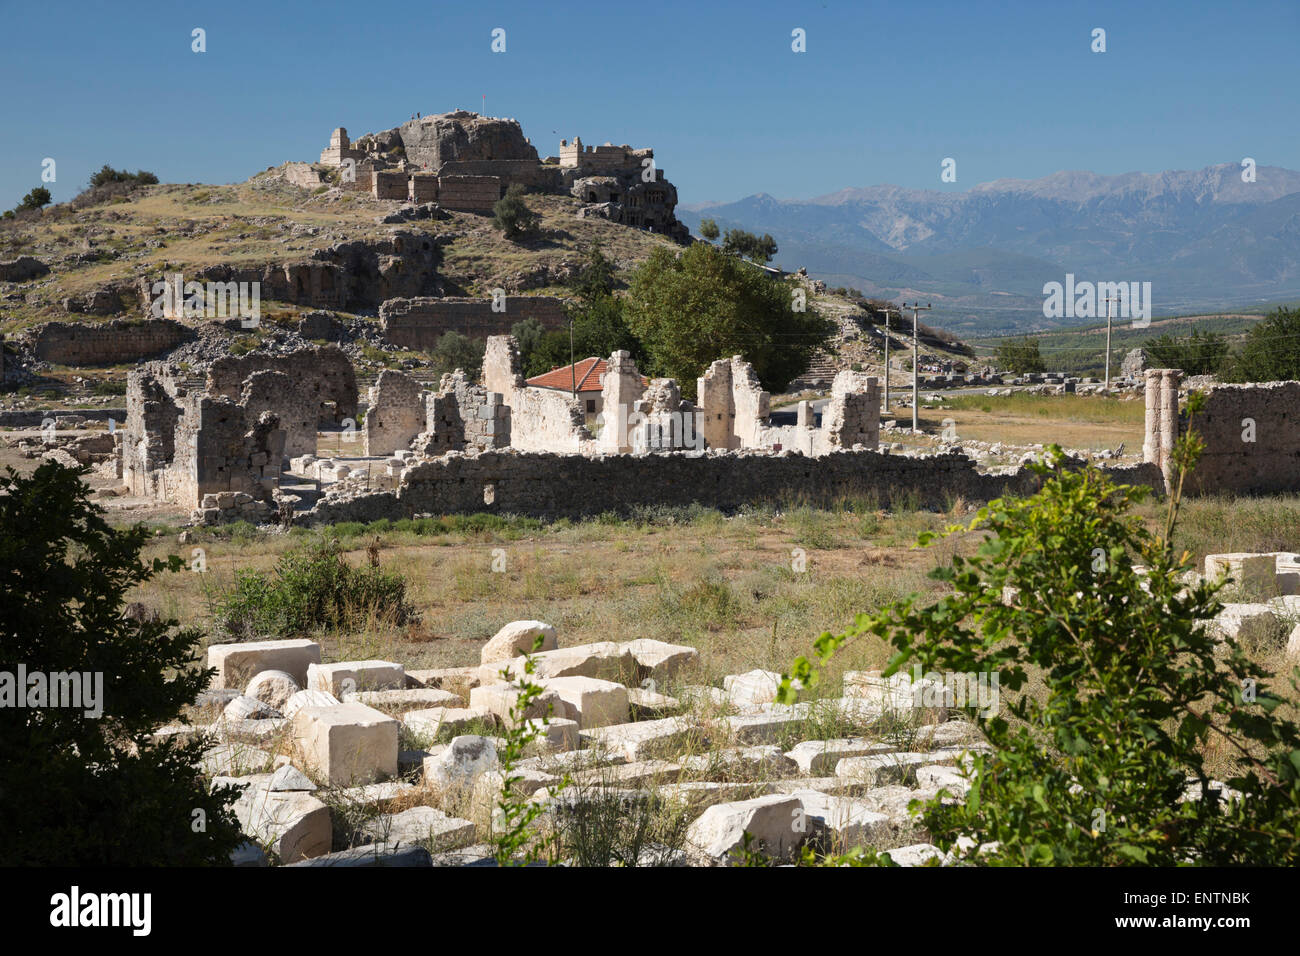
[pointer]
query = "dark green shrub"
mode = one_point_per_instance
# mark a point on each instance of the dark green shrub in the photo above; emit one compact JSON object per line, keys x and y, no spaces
{"x":85,"y":791}
{"x":313,"y":587}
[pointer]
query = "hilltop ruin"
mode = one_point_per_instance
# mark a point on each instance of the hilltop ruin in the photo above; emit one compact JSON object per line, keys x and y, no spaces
{"x":463,"y":161}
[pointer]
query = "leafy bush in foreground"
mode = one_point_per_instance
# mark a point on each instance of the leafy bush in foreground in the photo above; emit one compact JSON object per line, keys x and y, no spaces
{"x":1106,"y":764}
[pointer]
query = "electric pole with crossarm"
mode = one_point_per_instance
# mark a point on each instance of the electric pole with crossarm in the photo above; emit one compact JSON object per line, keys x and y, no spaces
{"x":887,"y":311}
{"x":916,"y":308}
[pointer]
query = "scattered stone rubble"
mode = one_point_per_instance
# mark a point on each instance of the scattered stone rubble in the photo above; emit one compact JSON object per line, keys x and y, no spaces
{"x":416,"y":752}
{"x":313,"y":760}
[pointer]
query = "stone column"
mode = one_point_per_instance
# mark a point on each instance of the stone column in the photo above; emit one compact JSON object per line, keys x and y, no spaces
{"x":1170,"y":378}
{"x":619,"y":393}
{"x":1151,"y":439}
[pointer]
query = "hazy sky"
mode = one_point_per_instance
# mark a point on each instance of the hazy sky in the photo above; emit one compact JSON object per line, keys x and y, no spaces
{"x":883,"y":94}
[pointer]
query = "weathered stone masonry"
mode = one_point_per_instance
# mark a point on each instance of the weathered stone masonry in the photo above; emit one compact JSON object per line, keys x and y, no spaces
{"x":574,"y":486}
{"x":418,"y":323}
{"x":180,"y":444}
{"x":1251,"y":434}
{"x":111,"y":343}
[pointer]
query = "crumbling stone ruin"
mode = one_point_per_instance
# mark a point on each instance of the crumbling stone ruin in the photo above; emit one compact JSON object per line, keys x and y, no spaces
{"x":505,"y":445}
{"x":1251,"y":435}
{"x":112,"y":343}
{"x":621,"y":184}
{"x":541,"y":419}
{"x":624,"y":719}
{"x":221,"y":444}
{"x":418,"y":323}
{"x":463,"y":417}
{"x":609,"y":735}
{"x":464,"y":161}
{"x":324,"y":372}
{"x":352,"y":275}
{"x":184,"y":445}
{"x":394,"y":416}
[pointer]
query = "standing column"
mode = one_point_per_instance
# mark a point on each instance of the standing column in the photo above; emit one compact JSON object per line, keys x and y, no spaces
{"x":1168,"y":418}
{"x":1151,"y":438}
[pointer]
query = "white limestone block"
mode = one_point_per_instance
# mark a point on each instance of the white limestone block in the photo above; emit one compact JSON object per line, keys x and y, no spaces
{"x":348,"y":744}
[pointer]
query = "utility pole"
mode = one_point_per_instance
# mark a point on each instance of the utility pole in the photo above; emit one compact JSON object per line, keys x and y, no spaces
{"x":573,"y":372}
{"x":916,"y":308}
{"x":887,"y":311}
{"x":1110,"y":300}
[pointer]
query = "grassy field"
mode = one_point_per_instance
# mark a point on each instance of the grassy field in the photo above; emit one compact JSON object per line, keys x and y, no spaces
{"x":1091,"y":422}
{"x":726,"y":585}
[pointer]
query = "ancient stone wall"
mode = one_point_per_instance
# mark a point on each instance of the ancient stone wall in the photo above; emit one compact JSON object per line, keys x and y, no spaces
{"x":296,"y":406}
{"x":418,"y":323}
{"x":462,"y":136}
{"x":732,"y":403}
{"x":549,"y":485}
{"x":323,"y":372}
{"x":110,"y":343}
{"x":524,"y":172}
{"x":620,"y":392}
{"x":390,"y":184}
{"x":220,"y":448}
{"x":179,"y":444}
{"x":463,"y":416}
{"x":469,"y":193}
{"x":851,"y":417}
{"x":350,"y":275}
{"x":422,"y":187}
{"x":1251,"y":434}
{"x":154,"y":398}
{"x":541,"y":419}
{"x":395,"y":413}
{"x":303,"y":175}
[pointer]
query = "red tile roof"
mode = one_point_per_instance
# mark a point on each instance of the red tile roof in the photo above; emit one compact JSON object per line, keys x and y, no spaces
{"x":589,"y":374}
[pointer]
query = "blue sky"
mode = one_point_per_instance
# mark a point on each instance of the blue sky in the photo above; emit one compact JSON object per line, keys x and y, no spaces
{"x":882,"y":95}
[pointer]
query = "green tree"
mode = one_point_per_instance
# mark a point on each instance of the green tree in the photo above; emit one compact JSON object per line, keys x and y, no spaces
{"x":709,"y":229}
{"x":38,"y":197}
{"x":454,"y":350}
{"x":528,"y":333}
{"x":595,"y":280}
{"x":599,"y":328}
{"x":1271,"y":351}
{"x":1105,"y":762}
{"x":511,"y":214}
{"x":1020,"y":355}
{"x":1201,"y":353}
{"x":692,"y":309}
{"x":760,"y":249}
{"x":107,"y":174}
{"x":78,"y":790}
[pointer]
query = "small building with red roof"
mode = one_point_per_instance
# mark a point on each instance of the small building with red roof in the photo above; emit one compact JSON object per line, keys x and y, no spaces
{"x":586,"y":377}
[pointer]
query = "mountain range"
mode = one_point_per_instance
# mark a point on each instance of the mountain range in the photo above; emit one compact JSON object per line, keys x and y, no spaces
{"x":1205,"y":239}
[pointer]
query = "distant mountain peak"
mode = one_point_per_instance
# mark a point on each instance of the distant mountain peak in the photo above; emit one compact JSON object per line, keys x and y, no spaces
{"x":1203,"y":238}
